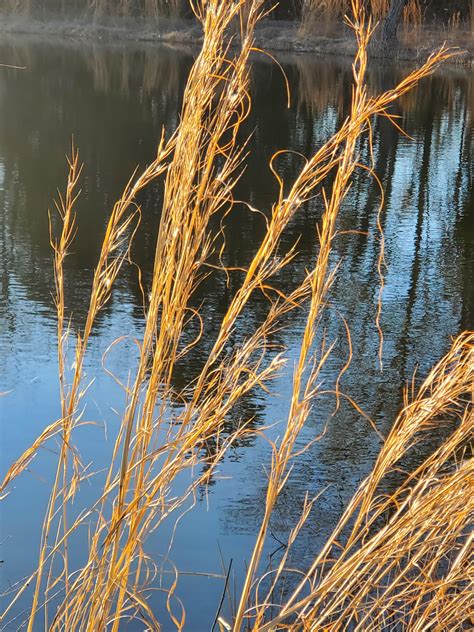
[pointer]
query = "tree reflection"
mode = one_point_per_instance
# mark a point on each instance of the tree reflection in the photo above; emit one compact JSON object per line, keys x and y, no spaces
{"x":115,"y":101}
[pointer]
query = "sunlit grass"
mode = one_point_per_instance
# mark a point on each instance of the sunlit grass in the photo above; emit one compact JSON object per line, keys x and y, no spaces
{"x":401,"y":559}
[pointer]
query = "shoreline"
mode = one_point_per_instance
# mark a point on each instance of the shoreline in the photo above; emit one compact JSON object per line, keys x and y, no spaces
{"x":273,"y":36}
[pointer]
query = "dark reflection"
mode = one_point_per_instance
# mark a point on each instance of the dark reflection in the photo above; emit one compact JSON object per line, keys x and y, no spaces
{"x":98,"y":97}
{"x":428,"y":298}
{"x":115,"y":101}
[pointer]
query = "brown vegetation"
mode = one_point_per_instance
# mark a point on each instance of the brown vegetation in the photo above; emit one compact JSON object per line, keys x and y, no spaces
{"x":301,"y":25}
{"x":332,"y":10}
{"x":148,"y":9}
{"x":400,"y":559}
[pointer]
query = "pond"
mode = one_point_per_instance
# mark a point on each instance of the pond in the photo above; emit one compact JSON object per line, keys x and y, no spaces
{"x":114,"y":101}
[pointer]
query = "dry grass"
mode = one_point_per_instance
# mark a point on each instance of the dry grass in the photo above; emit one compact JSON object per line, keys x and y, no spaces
{"x":412,"y":20}
{"x":406,"y":571}
{"x":320,"y":15}
{"x":413,"y":13}
{"x":406,"y":560}
{"x":151,"y":10}
{"x":333,"y":10}
{"x":454,"y":22}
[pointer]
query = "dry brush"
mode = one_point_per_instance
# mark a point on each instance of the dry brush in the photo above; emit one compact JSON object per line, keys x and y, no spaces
{"x":398,"y":559}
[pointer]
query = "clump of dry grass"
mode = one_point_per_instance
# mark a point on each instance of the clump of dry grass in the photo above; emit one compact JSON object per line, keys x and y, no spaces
{"x":151,"y":10}
{"x":322,"y":14}
{"x":454,"y":21}
{"x":373,"y":575}
{"x":413,"y":16}
{"x":331,"y":11}
{"x":406,"y":560}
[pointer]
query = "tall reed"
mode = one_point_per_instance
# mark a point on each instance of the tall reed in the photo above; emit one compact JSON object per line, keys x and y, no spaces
{"x":365,"y":578}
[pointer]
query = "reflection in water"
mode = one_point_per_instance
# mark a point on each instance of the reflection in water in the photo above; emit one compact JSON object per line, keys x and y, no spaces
{"x":115,"y":101}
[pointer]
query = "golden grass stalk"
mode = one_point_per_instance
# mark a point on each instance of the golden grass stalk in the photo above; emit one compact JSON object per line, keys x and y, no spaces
{"x":196,"y":189}
{"x":158,"y":440}
{"x":409,"y":570}
{"x":113,"y":253}
{"x":307,"y":372}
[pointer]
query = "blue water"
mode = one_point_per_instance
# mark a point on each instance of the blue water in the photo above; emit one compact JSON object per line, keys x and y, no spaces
{"x":114,"y":100}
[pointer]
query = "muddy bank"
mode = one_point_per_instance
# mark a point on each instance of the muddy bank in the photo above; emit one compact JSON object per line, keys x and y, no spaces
{"x":271,"y":35}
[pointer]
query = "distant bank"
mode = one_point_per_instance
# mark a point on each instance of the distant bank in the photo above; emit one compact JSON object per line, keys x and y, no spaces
{"x":272,"y":35}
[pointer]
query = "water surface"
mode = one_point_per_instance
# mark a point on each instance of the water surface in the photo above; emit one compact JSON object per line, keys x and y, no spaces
{"x":115,"y":100}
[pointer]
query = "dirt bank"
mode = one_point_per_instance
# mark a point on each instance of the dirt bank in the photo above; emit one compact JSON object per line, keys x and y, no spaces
{"x":271,"y":35}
